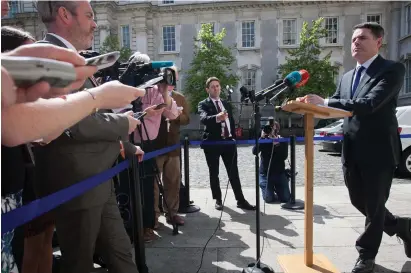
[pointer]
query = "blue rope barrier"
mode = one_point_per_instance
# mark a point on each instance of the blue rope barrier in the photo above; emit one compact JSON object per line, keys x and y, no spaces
{"x":24,"y":214}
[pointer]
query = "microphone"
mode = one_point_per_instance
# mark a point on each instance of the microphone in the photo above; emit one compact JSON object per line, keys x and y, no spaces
{"x":305,"y":76}
{"x":157,"y":64}
{"x":229,"y":89}
{"x":304,"y":79}
{"x":289,"y":81}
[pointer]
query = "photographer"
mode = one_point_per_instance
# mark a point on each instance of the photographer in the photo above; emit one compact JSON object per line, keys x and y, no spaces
{"x":273,"y":175}
{"x":156,"y":103}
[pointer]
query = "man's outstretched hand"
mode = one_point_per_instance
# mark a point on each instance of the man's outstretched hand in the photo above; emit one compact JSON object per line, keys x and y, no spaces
{"x":312,"y":99}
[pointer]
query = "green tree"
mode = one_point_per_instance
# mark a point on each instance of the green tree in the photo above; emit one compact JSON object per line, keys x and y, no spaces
{"x":211,"y":59}
{"x":111,"y":44}
{"x":307,"y":56}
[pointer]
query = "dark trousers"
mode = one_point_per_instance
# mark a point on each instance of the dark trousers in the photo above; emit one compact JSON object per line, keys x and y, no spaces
{"x":369,"y":189}
{"x":148,"y":170}
{"x":98,"y":229}
{"x":229,"y":155}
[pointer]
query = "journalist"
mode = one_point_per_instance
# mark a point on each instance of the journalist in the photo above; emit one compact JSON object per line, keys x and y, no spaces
{"x":91,"y":222}
{"x":144,"y":136}
{"x":169,"y":164}
{"x":273,"y":175}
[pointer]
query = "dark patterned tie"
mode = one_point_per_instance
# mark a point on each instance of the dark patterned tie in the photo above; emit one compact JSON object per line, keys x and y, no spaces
{"x":226,"y":133}
{"x":357,"y":79}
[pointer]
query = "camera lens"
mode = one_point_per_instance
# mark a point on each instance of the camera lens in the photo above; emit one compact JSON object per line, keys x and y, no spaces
{"x":169,"y":77}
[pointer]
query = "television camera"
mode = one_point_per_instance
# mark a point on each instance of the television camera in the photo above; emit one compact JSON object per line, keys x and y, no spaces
{"x":142,"y":75}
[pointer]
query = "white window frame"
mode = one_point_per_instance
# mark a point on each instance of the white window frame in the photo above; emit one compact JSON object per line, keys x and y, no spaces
{"x":374,"y":15}
{"x":283,"y":33}
{"x":121,"y":35}
{"x":245,"y":77}
{"x":241,"y":31}
{"x":407,"y":10}
{"x":337,"y":31}
{"x":177,"y":29}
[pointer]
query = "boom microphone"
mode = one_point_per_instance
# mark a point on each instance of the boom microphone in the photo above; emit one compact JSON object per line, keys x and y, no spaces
{"x":290,"y":81}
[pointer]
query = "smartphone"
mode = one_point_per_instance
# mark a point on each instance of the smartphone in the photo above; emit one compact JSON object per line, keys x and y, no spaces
{"x":27,"y":71}
{"x":139,"y":115}
{"x":160,"y":106}
{"x":104,"y":61}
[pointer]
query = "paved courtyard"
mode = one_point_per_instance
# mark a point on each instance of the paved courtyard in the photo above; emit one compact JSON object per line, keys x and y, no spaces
{"x":327,"y":168}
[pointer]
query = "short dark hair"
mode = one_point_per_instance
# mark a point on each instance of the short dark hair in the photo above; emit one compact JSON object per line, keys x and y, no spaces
{"x":48,"y":10}
{"x":376,"y":29}
{"x":211,"y":79}
{"x":12,"y":38}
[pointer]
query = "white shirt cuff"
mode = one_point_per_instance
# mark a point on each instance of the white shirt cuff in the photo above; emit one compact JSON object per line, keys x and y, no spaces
{"x":326,"y":102}
{"x":216,"y":120}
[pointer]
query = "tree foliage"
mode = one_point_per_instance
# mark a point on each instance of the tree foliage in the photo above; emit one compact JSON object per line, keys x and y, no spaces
{"x":111,"y":44}
{"x":211,"y":59}
{"x":307,"y":56}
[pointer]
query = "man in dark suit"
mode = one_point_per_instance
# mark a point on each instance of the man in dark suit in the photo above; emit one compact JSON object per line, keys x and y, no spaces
{"x":92,"y":221}
{"x":217,"y":116}
{"x":371,"y":146}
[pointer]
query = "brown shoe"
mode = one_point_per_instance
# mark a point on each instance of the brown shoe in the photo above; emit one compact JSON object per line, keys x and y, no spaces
{"x":149,"y":235}
{"x":177,"y":219}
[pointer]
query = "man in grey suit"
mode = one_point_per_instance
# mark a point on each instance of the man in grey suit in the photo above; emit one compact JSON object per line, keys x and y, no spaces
{"x":371,"y":145}
{"x":92,"y":221}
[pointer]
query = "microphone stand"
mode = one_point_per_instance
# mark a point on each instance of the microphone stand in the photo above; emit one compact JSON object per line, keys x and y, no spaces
{"x":257,"y":267}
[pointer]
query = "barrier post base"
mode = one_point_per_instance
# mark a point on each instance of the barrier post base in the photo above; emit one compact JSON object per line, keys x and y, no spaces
{"x":296,"y":205}
{"x":263,"y":268}
{"x":296,"y":264}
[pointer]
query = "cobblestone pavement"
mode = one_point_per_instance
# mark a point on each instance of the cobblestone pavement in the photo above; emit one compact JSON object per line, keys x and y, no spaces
{"x":327,"y":168}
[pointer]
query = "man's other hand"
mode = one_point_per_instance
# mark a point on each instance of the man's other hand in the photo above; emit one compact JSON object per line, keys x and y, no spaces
{"x":312,"y":99}
{"x":132,"y":122}
{"x":139,"y":153}
{"x":222,"y":116}
{"x":151,"y":111}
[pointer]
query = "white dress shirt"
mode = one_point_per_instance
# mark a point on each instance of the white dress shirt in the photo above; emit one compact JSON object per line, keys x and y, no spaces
{"x":227,"y":121}
{"x":366,"y":65}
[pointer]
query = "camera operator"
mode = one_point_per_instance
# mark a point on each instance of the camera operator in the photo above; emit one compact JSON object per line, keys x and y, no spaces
{"x":273,"y":175}
{"x":155,"y":96}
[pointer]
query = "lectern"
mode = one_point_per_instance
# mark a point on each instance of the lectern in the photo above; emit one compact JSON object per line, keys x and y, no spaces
{"x":309,"y":262}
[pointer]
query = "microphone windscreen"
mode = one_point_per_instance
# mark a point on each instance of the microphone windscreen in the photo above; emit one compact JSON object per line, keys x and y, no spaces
{"x":161,"y":64}
{"x":304,"y":77}
{"x":293,"y":78}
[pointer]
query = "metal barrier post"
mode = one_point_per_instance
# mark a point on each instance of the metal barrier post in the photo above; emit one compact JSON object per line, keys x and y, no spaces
{"x":293,"y":204}
{"x":186,"y":205}
{"x":137,"y":216}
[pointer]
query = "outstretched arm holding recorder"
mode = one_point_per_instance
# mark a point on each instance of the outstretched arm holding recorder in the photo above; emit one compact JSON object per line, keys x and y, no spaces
{"x":26,"y":122}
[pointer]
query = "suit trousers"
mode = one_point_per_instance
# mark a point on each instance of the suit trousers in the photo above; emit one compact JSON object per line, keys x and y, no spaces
{"x":229,"y":155}
{"x":169,"y":167}
{"x":369,"y":189}
{"x":97,"y":229}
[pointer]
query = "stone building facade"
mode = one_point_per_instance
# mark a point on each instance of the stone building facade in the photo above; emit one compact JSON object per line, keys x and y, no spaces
{"x":260,"y":32}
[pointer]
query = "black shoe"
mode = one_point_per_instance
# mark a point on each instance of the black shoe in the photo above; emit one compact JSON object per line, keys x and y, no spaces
{"x":218,"y":205}
{"x":364,"y":266}
{"x":245,"y":205}
{"x":404,"y":233}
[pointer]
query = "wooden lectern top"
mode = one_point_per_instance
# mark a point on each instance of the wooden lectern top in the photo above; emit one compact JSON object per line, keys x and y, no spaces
{"x":319,"y":111}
